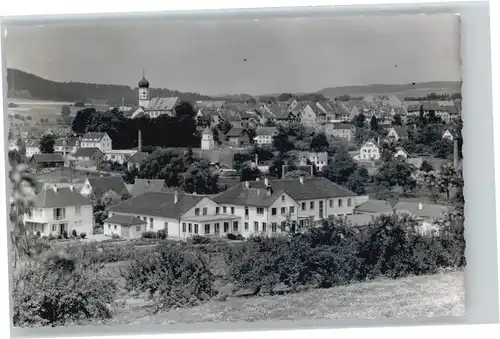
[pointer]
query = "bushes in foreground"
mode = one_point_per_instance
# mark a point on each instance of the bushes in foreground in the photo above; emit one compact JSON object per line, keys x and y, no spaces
{"x":59,"y":292}
{"x":172,"y":277}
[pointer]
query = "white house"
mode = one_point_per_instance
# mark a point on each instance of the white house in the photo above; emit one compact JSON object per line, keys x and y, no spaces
{"x":60,"y":209}
{"x":66,"y":145}
{"x":343,"y":131}
{"x":449,"y":134}
{"x":397,"y":133}
{"x":99,"y":140}
{"x":319,"y":159}
{"x":32,"y":148}
{"x":181,"y":215}
{"x":207,"y":140}
{"x":370,"y":151}
{"x":120,"y":156}
{"x":125,"y":226}
{"x":265,"y":135}
{"x":266,"y":206}
{"x":401,"y":153}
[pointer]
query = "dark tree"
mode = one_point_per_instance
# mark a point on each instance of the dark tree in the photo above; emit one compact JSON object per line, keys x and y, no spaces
{"x":426,"y":166}
{"x":341,"y":168}
{"x":374,"y":124}
{"x":359,"y":120}
{"x":358,"y":180}
{"x":319,"y":143}
{"x":47,"y":143}
{"x":397,"y":120}
{"x":82,"y":120}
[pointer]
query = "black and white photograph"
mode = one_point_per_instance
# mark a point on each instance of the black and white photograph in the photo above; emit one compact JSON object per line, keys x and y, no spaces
{"x":179,"y":171}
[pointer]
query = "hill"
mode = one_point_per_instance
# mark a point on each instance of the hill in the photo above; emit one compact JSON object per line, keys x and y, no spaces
{"x":408,"y":90}
{"x":29,"y":86}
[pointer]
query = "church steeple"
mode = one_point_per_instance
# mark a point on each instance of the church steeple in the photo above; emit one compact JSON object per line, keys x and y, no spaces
{"x":143,"y":83}
{"x":143,"y":91}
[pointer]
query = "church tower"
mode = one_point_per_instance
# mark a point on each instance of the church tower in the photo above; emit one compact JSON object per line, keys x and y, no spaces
{"x":143,"y":92}
{"x":207,"y":140}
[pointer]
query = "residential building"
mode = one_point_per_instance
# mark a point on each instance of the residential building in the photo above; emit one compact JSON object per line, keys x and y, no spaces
{"x":125,"y":226}
{"x":56,"y":210}
{"x":370,"y":151}
{"x":266,"y":206}
{"x":181,"y":215}
{"x":136,"y":160}
{"x":119,"y":156}
{"x":47,"y":160}
{"x":265,"y":135}
{"x":308,"y":116}
{"x":318,"y":159}
{"x":450,"y":134}
{"x":397,"y":133}
{"x":99,"y":140}
{"x":66,"y":145}
{"x":97,"y":187}
{"x":207,"y":140}
{"x":88,"y":156}
{"x":142,"y":186}
{"x":32,"y":148}
{"x":342,"y":131}
{"x":238,"y":137}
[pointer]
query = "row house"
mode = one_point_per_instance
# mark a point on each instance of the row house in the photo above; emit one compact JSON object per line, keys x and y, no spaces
{"x":265,"y":135}
{"x":99,"y":140}
{"x":267,"y":206}
{"x":342,"y":131}
{"x":59,"y":210}
{"x":66,"y":145}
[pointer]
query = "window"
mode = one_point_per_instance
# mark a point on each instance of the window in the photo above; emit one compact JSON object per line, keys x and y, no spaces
{"x":183,"y":227}
{"x":246,"y":226}
{"x":226,"y":227}
{"x":256,"y":226}
{"x":138,"y":228}
{"x":151,"y":222}
{"x":349,"y":202}
{"x":311,"y":205}
{"x":54,"y":227}
{"x":301,"y":223}
{"x":292,"y":209}
{"x":207,"y":228}
{"x":217,"y":228}
{"x":260,"y":210}
{"x":246,"y":212}
{"x":224,"y":209}
{"x":78,"y":210}
{"x":115,"y":227}
{"x":217,"y":210}
{"x":340,"y":202}
{"x":190,"y":228}
{"x":273,"y":211}
{"x":274,"y":227}
{"x":283,"y":210}
{"x":235,"y":226}
{"x":232,"y":210}
{"x":196,"y":211}
{"x":321,"y":209}
{"x":195,"y":228}
{"x":282,"y":198}
{"x":330,"y":203}
{"x":303,"y":206}
{"x":205,"y":211}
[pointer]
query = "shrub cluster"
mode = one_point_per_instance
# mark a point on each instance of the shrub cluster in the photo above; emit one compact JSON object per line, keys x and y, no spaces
{"x":59,"y":291}
{"x":161,"y":234}
{"x":172,"y":277}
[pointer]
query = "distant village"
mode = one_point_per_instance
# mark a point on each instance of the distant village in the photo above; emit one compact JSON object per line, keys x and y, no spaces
{"x":259,"y":167}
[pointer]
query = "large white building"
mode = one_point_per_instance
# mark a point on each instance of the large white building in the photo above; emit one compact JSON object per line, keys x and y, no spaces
{"x":99,"y":140}
{"x":370,"y":151}
{"x":56,"y":210}
{"x":207,"y":140}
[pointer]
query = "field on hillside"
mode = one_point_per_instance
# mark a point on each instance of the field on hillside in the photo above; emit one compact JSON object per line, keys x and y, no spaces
{"x":413,"y":297}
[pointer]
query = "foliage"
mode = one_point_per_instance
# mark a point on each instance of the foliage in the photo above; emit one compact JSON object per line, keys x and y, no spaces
{"x":172,"y":276}
{"x":45,"y":294}
{"x":374,"y":124}
{"x":295,"y":174}
{"x":396,"y":172}
{"x":426,"y":166}
{"x":47,"y":143}
{"x":150,"y":235}
{"x":357,"y":181}
{"x":199,"y":178}
{"x":249,"y":172}
{"x":231,"y":236}
{"x":443,"y":148}
{"x":341,"y":168}
{"x":162,"y":234}
{"x":319,"y":143}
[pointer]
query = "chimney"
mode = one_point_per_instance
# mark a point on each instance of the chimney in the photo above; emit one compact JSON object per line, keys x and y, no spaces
{"x":420,"y":206}
{"x":247,"y":184}
{"x":139,"y":141}
{"x":54,"y":188}
{"x":455,"y":154}
{"x":176,"y":197}
{"x":301,"y":179}
{"x":266,"y":181}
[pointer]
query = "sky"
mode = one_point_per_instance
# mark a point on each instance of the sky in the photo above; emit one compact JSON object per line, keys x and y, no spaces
{"x":244,"y":56}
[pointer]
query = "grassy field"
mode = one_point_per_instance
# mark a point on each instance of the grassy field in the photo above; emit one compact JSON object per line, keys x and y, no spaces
{"x":414,"y":297}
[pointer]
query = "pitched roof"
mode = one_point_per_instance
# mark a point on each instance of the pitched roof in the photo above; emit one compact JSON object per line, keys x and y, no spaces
{"x":207,"y":130}
{"x":48,"y":157}
{"x":402,"y":131}
{"x":138,"y":157}
{"x":64,"y":197}
{"x":235,"y":132}
{"x":125,"y":220}
{"x":430,"y":106}
{"x":93,"y":136}
{"x":142,"y":186}
{"x":266,"y":131}
{"x":102,"y":185}
{"x":312,"y":188}
{"x":162,"y":104}
{"x":373,"y":206}
{"x":451,"y":109}
{"x":158,"y":204}
{"x":343,"y":126}
{"x":86,"y":152}
{"x":70,"y":142}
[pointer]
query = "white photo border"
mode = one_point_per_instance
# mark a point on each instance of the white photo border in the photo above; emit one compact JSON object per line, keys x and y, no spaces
{"x":480,"y":165}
